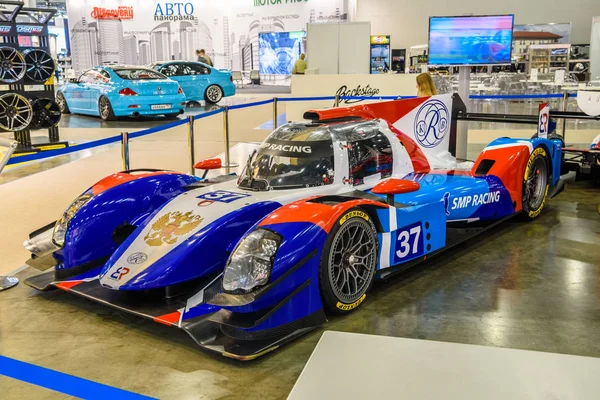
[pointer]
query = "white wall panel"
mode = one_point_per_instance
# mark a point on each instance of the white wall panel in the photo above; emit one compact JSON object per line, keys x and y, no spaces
{"x":339,"y":47}
{"x":354,"y":47}
{"x":322,"y":47}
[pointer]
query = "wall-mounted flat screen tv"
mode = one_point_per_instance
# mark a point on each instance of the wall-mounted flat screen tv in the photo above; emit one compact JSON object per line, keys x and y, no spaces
{"x":470,"y":40}
{"x":278,"y":51}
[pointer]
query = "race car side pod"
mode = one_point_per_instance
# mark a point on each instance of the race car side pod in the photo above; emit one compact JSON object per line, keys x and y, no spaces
{"x":520,"y":119}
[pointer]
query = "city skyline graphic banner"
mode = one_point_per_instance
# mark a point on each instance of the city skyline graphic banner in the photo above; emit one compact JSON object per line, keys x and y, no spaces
{"x":140,"y":32}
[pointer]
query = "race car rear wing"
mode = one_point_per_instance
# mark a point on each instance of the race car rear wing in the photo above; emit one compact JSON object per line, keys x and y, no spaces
{"x":405,"y":115}
{"x":521,"y":119}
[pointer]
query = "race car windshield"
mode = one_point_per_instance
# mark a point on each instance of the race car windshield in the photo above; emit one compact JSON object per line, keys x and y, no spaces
{"x":138,"y":74}
{"x":293,"y":156}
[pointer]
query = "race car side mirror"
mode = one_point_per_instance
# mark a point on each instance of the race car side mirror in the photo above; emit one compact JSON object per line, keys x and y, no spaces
{"x":208,"y":164}
{"x":393,"y":186}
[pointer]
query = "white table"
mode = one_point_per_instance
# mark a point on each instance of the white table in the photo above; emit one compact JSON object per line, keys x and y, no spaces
{"x":350,"y":366}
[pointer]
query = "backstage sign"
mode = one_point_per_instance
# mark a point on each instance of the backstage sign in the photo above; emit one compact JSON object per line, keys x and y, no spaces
{"x":359,"y":91}
{"x":262,"y":3}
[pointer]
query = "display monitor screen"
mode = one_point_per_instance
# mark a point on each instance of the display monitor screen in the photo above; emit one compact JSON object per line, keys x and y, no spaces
{"x":278,"y":51}
{"x":472,"y":40}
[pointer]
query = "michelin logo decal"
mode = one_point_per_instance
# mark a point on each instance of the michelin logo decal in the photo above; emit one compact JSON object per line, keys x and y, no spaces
{"x":475,"y":200}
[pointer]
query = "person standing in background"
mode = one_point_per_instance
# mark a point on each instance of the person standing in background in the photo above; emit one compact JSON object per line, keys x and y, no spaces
{"x":204,"y":58}
{"x":199,"y":58}
{"x":300,"y":65}
{"x":425,"y":85}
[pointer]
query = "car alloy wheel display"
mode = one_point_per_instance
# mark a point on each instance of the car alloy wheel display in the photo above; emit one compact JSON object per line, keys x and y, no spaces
{"x":12,"y":65}
{"x":352,"y":260}
{"x":62,"y":103}
{"x":104,"y":108}
{"x":46,"y":113}
{"x":40,"y":65}
{"x":214,"y":94}
{"x":15,"y":112}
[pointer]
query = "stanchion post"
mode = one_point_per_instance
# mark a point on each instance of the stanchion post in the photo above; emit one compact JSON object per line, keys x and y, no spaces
{"x":226,"y":137}
{"x":125,"y":151}
{"x":564,"y":108}
{"x":336,"y":102}
{"x":191,"y":144}
{"x":274,"y":113}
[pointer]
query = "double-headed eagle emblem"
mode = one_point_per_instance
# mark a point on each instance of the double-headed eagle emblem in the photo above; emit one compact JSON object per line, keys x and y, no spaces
{"x":170,"y":226}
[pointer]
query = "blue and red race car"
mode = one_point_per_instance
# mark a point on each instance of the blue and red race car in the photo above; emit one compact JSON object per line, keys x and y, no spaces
{"x":321,"y":209}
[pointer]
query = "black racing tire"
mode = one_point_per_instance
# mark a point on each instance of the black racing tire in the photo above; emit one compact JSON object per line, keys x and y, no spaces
{"x":536,"y":183}
{"x":172,"y":115}
{"x":343,"y":281}
{"x":105,"y":109}
{"x":62,"y":103}
{"x":213,"y":94}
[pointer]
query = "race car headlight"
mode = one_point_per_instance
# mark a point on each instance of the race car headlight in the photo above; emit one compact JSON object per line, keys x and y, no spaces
{"x":60,"y":229}
{"x":251,"y":262}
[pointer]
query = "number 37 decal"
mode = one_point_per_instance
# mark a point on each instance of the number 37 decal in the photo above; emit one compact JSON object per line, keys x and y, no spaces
{"x":409,"y":243}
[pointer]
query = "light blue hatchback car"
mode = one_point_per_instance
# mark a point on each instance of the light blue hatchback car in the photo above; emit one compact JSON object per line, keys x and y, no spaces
{"x":119,"y":91}
{"x":198,"y":80}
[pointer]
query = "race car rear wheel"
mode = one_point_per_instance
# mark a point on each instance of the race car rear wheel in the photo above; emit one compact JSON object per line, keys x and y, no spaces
{"x":105,"y":109}
{"x":535,"y":183}
{"x":348,"y":262}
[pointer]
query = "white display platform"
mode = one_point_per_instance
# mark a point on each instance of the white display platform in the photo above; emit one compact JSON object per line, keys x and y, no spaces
{"x":349,"y":366}
{"x":346,"y":84}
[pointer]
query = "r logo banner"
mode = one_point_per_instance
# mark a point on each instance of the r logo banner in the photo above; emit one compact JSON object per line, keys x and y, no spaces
{"x":432,"y":123}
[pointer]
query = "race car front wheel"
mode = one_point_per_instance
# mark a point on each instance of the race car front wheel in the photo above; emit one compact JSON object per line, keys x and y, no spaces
{"x":348,"y":262}
{"x":535,"y":183}
{"x":105,"y":109}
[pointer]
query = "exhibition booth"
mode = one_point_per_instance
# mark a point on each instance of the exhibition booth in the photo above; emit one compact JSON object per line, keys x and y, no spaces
{"x":270,"y":199}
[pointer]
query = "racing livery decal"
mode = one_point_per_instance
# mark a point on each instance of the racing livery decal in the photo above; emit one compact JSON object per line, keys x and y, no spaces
{"x":222,"y":196}
{"x":170,"y":226}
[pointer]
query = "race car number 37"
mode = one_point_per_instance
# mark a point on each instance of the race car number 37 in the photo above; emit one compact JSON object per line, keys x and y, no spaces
{"x":409,"y":243}
{"x":223,"y":196}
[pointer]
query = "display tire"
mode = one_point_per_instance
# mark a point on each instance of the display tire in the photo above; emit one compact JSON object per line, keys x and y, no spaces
{"x":15,"y":112}
{"x":339,"y":262}
{"x":46,"y":113}
{"x":40,"y":65}
{"x":105,"y":109}
{"x":62,"y":103}
{"x":12,"y":65}
{"x":536,"y":183}
{"x":213,"y":94}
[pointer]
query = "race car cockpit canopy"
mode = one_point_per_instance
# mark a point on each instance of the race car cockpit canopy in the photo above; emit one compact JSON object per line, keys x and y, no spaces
{"x":301,"y":155}
{"x":293,"y":156}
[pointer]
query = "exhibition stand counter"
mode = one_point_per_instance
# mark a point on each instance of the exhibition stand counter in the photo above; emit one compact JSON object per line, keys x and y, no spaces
{"x":354,"y":85}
